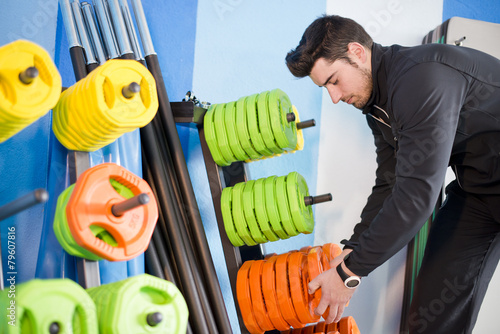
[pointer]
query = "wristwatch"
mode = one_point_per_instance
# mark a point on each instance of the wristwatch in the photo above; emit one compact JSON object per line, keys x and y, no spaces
{"x":350,"y":282}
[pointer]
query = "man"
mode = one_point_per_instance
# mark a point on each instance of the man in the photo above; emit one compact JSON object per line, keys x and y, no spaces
{"x":428,"y":107}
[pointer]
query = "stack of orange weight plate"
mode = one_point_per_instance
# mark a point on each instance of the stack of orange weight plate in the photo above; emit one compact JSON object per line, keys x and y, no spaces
{"x":346,"y":325}
{"x":272,"y":293}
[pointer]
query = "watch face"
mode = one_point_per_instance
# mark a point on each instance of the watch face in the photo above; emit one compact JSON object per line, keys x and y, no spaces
{"x":352,"y":282}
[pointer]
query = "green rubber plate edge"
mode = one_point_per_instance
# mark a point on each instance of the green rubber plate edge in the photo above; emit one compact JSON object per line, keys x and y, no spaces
{"x":249,"y":211}
{"x":232,"y":136}
{"x":302,"y":214}
{"x":226,"y":200}
{"x":62,"y":231}
{"x":285,"y":132}
{"x":272,"y":208}
{"x":253,"y":126}
{"x":284,"y":207}
{"x":264,"y":123}
{"x":242,"y":129}
{"x":211,"y":139}
{"x":260,"y":210}
{"x":239,"y":216}
{"x":220,"y":133}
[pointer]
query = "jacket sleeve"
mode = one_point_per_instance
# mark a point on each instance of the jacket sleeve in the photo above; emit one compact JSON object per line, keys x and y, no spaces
{"x":426,"y":102}
{"x":384,"y":180}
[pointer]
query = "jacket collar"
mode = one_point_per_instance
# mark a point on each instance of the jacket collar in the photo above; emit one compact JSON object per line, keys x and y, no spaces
{"x":380,"y":60}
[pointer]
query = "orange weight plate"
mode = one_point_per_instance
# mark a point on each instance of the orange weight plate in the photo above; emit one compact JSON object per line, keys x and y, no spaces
{"x":245,"y":300}
{"x":320,"y":327}
{"x":283,"y":292}
{"x":90,"y":207}
{"x":298,"y":276}
{"x":308,"y":329}
{"x":270,"y":296}
{"x":347,"y":325}
{"x":331,"y":250}
{"x":333,"y":327}
{"x":314,"y":268}
{"x":305,"y":249}
{"x":259,"y":308}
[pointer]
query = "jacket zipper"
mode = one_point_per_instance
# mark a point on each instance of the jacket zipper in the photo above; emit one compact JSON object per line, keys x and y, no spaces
{"x":383,"y":122}
{"x":380,"y":119}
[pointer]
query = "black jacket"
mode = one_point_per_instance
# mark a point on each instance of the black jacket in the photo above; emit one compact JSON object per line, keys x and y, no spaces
{"x":432,"y":106}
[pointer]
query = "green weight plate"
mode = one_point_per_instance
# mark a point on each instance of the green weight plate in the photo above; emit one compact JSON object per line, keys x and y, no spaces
{"x":285,"y":132}
{"x":302,"y":214}
{"x":253,"y":126}
{"x":62,"y":231}
{"x":260,"y":210}
{"x":226,"y":204}
{"x":239,"y":216}
{"x":249,"y":211}
{"x":40,"y":303}
{"x":211,"y":138}
{"x":272,"y":207}
{"x":220,"y":133}
{"x":265,"y":124}
{"x":125,"y":306}
{"x":284,"y":207}
{"x":232,"y":136}
{"x":242,"y":129}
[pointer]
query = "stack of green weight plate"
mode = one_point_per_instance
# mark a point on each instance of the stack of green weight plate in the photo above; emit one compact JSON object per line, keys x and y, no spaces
{"x":47,"y":306}
{"x":253,"y":127}
{"x":140,"y":304}
{"x":267,"y":209}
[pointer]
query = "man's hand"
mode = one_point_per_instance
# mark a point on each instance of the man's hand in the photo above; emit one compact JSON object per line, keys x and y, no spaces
{"x":334,"y":294}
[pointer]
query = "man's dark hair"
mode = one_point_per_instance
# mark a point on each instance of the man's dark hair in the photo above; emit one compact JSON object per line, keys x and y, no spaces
{"x":327,"y":37}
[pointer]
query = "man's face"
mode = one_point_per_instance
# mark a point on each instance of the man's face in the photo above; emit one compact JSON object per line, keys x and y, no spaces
{"x":349,"y":83}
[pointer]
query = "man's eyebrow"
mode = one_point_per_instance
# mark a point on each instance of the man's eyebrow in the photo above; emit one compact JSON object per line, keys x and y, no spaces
{"x":328,"y":79}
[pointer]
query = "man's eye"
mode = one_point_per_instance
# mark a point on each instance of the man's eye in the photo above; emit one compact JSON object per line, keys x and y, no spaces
{"x":336,"y":82}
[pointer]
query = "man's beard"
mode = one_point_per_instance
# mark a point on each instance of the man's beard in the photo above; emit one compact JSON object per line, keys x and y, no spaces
{"x":366,"y":89}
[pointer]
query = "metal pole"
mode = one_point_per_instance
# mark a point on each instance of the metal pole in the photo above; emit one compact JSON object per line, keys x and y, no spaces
{"x":118,"y":24}
{"x":91,"y":61}
{"x":94,"y":36}
{"x":106,"y":30}
{"x":132,"y":34}
{"x":22,"y":203}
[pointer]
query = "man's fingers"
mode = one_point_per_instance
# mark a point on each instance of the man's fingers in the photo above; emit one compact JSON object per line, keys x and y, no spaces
{"x":340,"y":311}
{"x":314,"y":285}
{"x":331,"y":316}
{"x":322,"y":306}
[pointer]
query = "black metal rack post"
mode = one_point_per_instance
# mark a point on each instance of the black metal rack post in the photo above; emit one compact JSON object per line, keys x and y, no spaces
{"x":218,"y":179}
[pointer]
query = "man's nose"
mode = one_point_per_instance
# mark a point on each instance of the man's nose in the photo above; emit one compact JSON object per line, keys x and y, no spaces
{"x":335,"y":94}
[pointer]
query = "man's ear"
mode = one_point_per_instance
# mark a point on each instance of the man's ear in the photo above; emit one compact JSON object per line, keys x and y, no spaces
{"x":357,"y":51}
